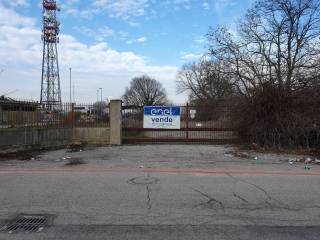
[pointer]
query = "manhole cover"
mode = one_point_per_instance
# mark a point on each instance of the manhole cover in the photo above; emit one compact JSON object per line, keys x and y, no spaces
{"x":26,"y":223}
{"x":144,"y":180}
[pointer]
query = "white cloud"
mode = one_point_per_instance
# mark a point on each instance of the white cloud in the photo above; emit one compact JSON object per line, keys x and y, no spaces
{"x":180,"y":1}
{"x":94,"y":65}
{"x":124,"y":9}
{"x":176,"y":5}
{"x":138,"y":40}
{"x":9,"y":17}
{"x":190,"y":56}
{"x":127,"y":10}
{"x":99,"y":57}
{"x":87,"y":13}
{"x":221,"y":5}
{"x":106,"y":31}
{"x":141,"y":40}
{"x":15,"y":3}
{"x":100,"y":34}
{"x":184,"y":3}
{"x":200,"y":40}
{"x":72,"y":7}
{"x":206,"y":5}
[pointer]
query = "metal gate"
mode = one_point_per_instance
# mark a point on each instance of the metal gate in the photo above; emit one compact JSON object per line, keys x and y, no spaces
{"x":199,"y":124}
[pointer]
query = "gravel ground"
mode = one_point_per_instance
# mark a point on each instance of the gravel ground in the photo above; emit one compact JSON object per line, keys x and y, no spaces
{"x":157,"y":156}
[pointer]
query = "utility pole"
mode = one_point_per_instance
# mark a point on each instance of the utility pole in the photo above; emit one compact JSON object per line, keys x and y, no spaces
{"x":100,"y":94}
{"x":70,"y":69}
{"x":73,"y":93}
{"x":100,"y":103}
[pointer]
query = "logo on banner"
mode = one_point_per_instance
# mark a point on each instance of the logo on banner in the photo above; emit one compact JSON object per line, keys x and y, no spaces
{"x":162,"y":117}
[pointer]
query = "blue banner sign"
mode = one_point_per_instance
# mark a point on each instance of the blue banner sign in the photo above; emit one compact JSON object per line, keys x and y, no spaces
{"x":161,"y":117}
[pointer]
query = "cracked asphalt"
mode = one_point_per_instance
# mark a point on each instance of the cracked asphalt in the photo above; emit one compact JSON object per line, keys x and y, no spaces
{"x":163,"y":192}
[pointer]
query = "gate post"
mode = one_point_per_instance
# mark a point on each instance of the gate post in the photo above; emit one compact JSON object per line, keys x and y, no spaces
{"x":115,"y":122}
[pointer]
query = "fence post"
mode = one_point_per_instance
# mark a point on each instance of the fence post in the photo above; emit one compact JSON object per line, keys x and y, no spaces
{"x":73,"y":119}
{"x":115,"y":122}
{"x":1,"y":119}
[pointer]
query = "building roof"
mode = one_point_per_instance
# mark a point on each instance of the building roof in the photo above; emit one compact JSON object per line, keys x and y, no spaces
{"x":10,"y":101}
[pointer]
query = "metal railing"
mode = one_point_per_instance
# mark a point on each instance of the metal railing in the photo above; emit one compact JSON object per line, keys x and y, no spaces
{"x":198,"y":123}
{"x":28,"y":114}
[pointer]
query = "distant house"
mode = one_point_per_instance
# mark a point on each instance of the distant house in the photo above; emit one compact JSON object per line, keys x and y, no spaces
{"x":13,"y":112}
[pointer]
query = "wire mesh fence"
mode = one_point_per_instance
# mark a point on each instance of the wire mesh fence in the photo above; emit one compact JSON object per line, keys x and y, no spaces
{"x":28,"y":114}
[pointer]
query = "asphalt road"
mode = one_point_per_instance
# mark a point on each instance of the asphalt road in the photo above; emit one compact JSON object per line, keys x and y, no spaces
{"x":198,"y":196}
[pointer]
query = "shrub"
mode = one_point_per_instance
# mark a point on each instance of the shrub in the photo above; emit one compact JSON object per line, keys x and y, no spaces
{"x":277,"y":118}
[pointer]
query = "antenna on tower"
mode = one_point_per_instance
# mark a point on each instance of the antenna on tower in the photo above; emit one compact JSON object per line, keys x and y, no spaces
{"x":50,"y":97}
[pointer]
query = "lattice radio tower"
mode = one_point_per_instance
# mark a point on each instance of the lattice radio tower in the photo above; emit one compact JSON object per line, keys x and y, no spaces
{"x":50,"y":98}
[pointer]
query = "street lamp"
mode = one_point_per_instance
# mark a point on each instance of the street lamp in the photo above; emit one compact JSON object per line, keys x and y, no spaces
{"x":100,"y":94}
{"x":97,"y":95}
{"x":70,"y":85}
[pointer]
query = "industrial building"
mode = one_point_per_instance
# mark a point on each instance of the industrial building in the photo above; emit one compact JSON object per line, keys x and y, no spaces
{"x":14,"y":112}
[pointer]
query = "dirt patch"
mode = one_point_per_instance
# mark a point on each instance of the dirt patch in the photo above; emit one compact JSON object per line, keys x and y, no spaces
{"x":74,"y":161}
{"x":20,"y":155}
{"x":239,"y":154}
{"x":28,"y":154}
{"x":77,"y":146}
{"x":251,"y":148}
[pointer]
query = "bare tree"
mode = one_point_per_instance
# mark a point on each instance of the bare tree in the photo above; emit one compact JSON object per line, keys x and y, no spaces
{"x":205,"y":81}
{"x":277,"y":42}
{"x":145,"y":91}
{"x":274,"y":61}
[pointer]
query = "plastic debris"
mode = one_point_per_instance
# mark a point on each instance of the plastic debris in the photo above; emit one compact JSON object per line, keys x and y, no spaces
{"x":237,"y":154}
{"x":292,"y":160}
{"x":305,"y":160}
{"x":307,"y":167}
{"x":228,"y":155}
{"x":308,"y":160}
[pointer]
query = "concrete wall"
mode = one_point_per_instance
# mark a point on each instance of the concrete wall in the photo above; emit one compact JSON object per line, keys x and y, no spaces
{"x":29,"y":138}
{"x":94,"y":136}
{"x":20,"y":139}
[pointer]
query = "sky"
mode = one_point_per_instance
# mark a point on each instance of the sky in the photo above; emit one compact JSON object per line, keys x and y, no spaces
{"x":108,"y":42}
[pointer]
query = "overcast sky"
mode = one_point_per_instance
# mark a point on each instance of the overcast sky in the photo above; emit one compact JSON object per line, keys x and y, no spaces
{"x":107,"y":42}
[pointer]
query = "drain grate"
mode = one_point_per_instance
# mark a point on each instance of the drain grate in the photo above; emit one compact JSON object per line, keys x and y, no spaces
{"x":26,"y":223}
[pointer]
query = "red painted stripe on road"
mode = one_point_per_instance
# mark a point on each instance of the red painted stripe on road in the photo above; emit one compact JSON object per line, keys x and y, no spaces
{"x":215,"y":171}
